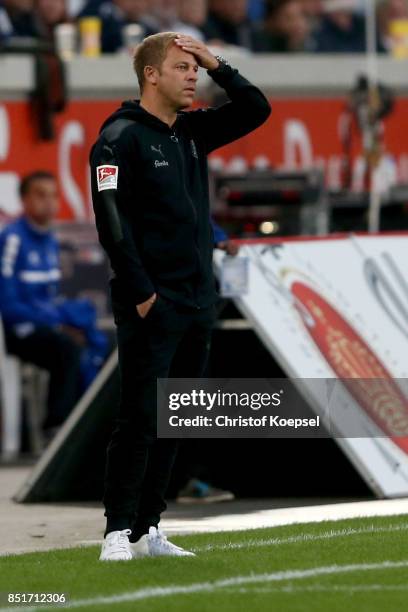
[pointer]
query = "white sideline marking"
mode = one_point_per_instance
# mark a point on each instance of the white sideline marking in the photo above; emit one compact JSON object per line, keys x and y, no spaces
{"x":306,"y":537}
{"x":198,"y":587}
{"x":320,"y":588}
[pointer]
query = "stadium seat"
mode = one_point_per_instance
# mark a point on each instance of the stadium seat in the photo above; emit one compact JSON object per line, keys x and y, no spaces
{"x":10,"y":401}
{"x":20,"y":381}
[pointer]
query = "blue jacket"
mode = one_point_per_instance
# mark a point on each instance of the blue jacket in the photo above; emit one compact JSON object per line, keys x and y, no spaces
{"x":29,"y":275}
{"x":29,"y":287}
{"x":219,"y":234}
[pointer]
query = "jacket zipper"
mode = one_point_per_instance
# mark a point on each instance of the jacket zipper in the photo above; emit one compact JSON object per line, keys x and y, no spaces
{"x":175,"y":139}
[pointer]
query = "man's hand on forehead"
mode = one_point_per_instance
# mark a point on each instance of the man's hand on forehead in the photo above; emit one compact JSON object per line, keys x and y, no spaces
{"x":204,"y":57}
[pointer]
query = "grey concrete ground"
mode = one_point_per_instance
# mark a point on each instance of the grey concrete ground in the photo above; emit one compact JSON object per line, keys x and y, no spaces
{"x":28,"y":527}
{"x":32,"y":527}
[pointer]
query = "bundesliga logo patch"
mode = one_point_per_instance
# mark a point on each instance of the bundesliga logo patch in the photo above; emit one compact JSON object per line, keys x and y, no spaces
{"x":107,"y":177}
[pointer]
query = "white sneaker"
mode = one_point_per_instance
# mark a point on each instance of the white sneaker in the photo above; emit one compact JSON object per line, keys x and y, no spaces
{"x":155,"y":544}
{"x":116,"y":546}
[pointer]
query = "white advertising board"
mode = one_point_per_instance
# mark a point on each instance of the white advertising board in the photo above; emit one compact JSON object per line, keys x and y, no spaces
{"x":337,"y":308}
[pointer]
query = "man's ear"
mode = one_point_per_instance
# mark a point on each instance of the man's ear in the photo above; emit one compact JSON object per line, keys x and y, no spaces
{"x":151,"y":74}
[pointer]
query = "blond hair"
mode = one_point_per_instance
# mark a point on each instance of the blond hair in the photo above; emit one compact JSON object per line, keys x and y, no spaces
{"x":151,"y":51}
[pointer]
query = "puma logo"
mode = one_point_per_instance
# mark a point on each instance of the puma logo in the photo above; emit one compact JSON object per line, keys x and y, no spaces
{"x":157,"y":149}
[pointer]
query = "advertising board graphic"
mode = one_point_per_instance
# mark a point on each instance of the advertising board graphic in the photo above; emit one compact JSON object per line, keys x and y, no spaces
{"x":338,"y":308}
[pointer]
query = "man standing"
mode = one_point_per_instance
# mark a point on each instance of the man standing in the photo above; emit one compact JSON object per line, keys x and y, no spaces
{"x":150,"y":194}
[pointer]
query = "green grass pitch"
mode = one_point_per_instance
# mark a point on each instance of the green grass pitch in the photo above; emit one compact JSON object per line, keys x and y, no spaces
{"x":356,"y":565}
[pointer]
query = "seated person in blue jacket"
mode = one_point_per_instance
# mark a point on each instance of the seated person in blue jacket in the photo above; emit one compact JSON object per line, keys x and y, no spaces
{"x":40,"y":327}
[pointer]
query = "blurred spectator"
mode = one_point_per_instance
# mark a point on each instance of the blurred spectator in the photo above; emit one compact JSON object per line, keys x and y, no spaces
{"x":313,"y":11}
{"x":228,"y":23}
{"x":192,"y":15}
{"x":47,"y":15}
{"x":55,"y":334}
{"x":74,"y":7}
{"x":285,"y":29}
{"x":20,"y":15}
{"x":312,"y":8}
{"x":389,"y":11}
{"x":164,"y":16}
{"x":256,"y":10}
{"x":90,"y":7}
{"x":342,"y":30}
{"x":6,"y":27}
{"x":115,"y":15}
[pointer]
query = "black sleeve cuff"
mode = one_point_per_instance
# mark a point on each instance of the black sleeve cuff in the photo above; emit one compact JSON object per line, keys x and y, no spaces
{"x":222,"y":74}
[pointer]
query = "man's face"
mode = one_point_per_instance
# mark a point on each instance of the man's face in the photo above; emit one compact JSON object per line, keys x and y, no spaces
{"x":177,"y":78}
{"x":41,"y":201}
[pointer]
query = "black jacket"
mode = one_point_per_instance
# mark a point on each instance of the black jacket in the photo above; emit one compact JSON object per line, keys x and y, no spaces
{"x":151,"y":200}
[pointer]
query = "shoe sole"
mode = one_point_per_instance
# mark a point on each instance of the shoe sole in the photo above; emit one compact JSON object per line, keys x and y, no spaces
{"x":171,"y":555}
{"x":113,"y":560}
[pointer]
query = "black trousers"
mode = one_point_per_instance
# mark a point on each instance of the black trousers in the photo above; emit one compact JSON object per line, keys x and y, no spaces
{"x":56,"y":352}
{"x":171,"y":341}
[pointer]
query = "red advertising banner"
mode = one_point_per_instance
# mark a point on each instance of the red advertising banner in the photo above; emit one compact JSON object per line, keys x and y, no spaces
{"x":299,"y":133}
